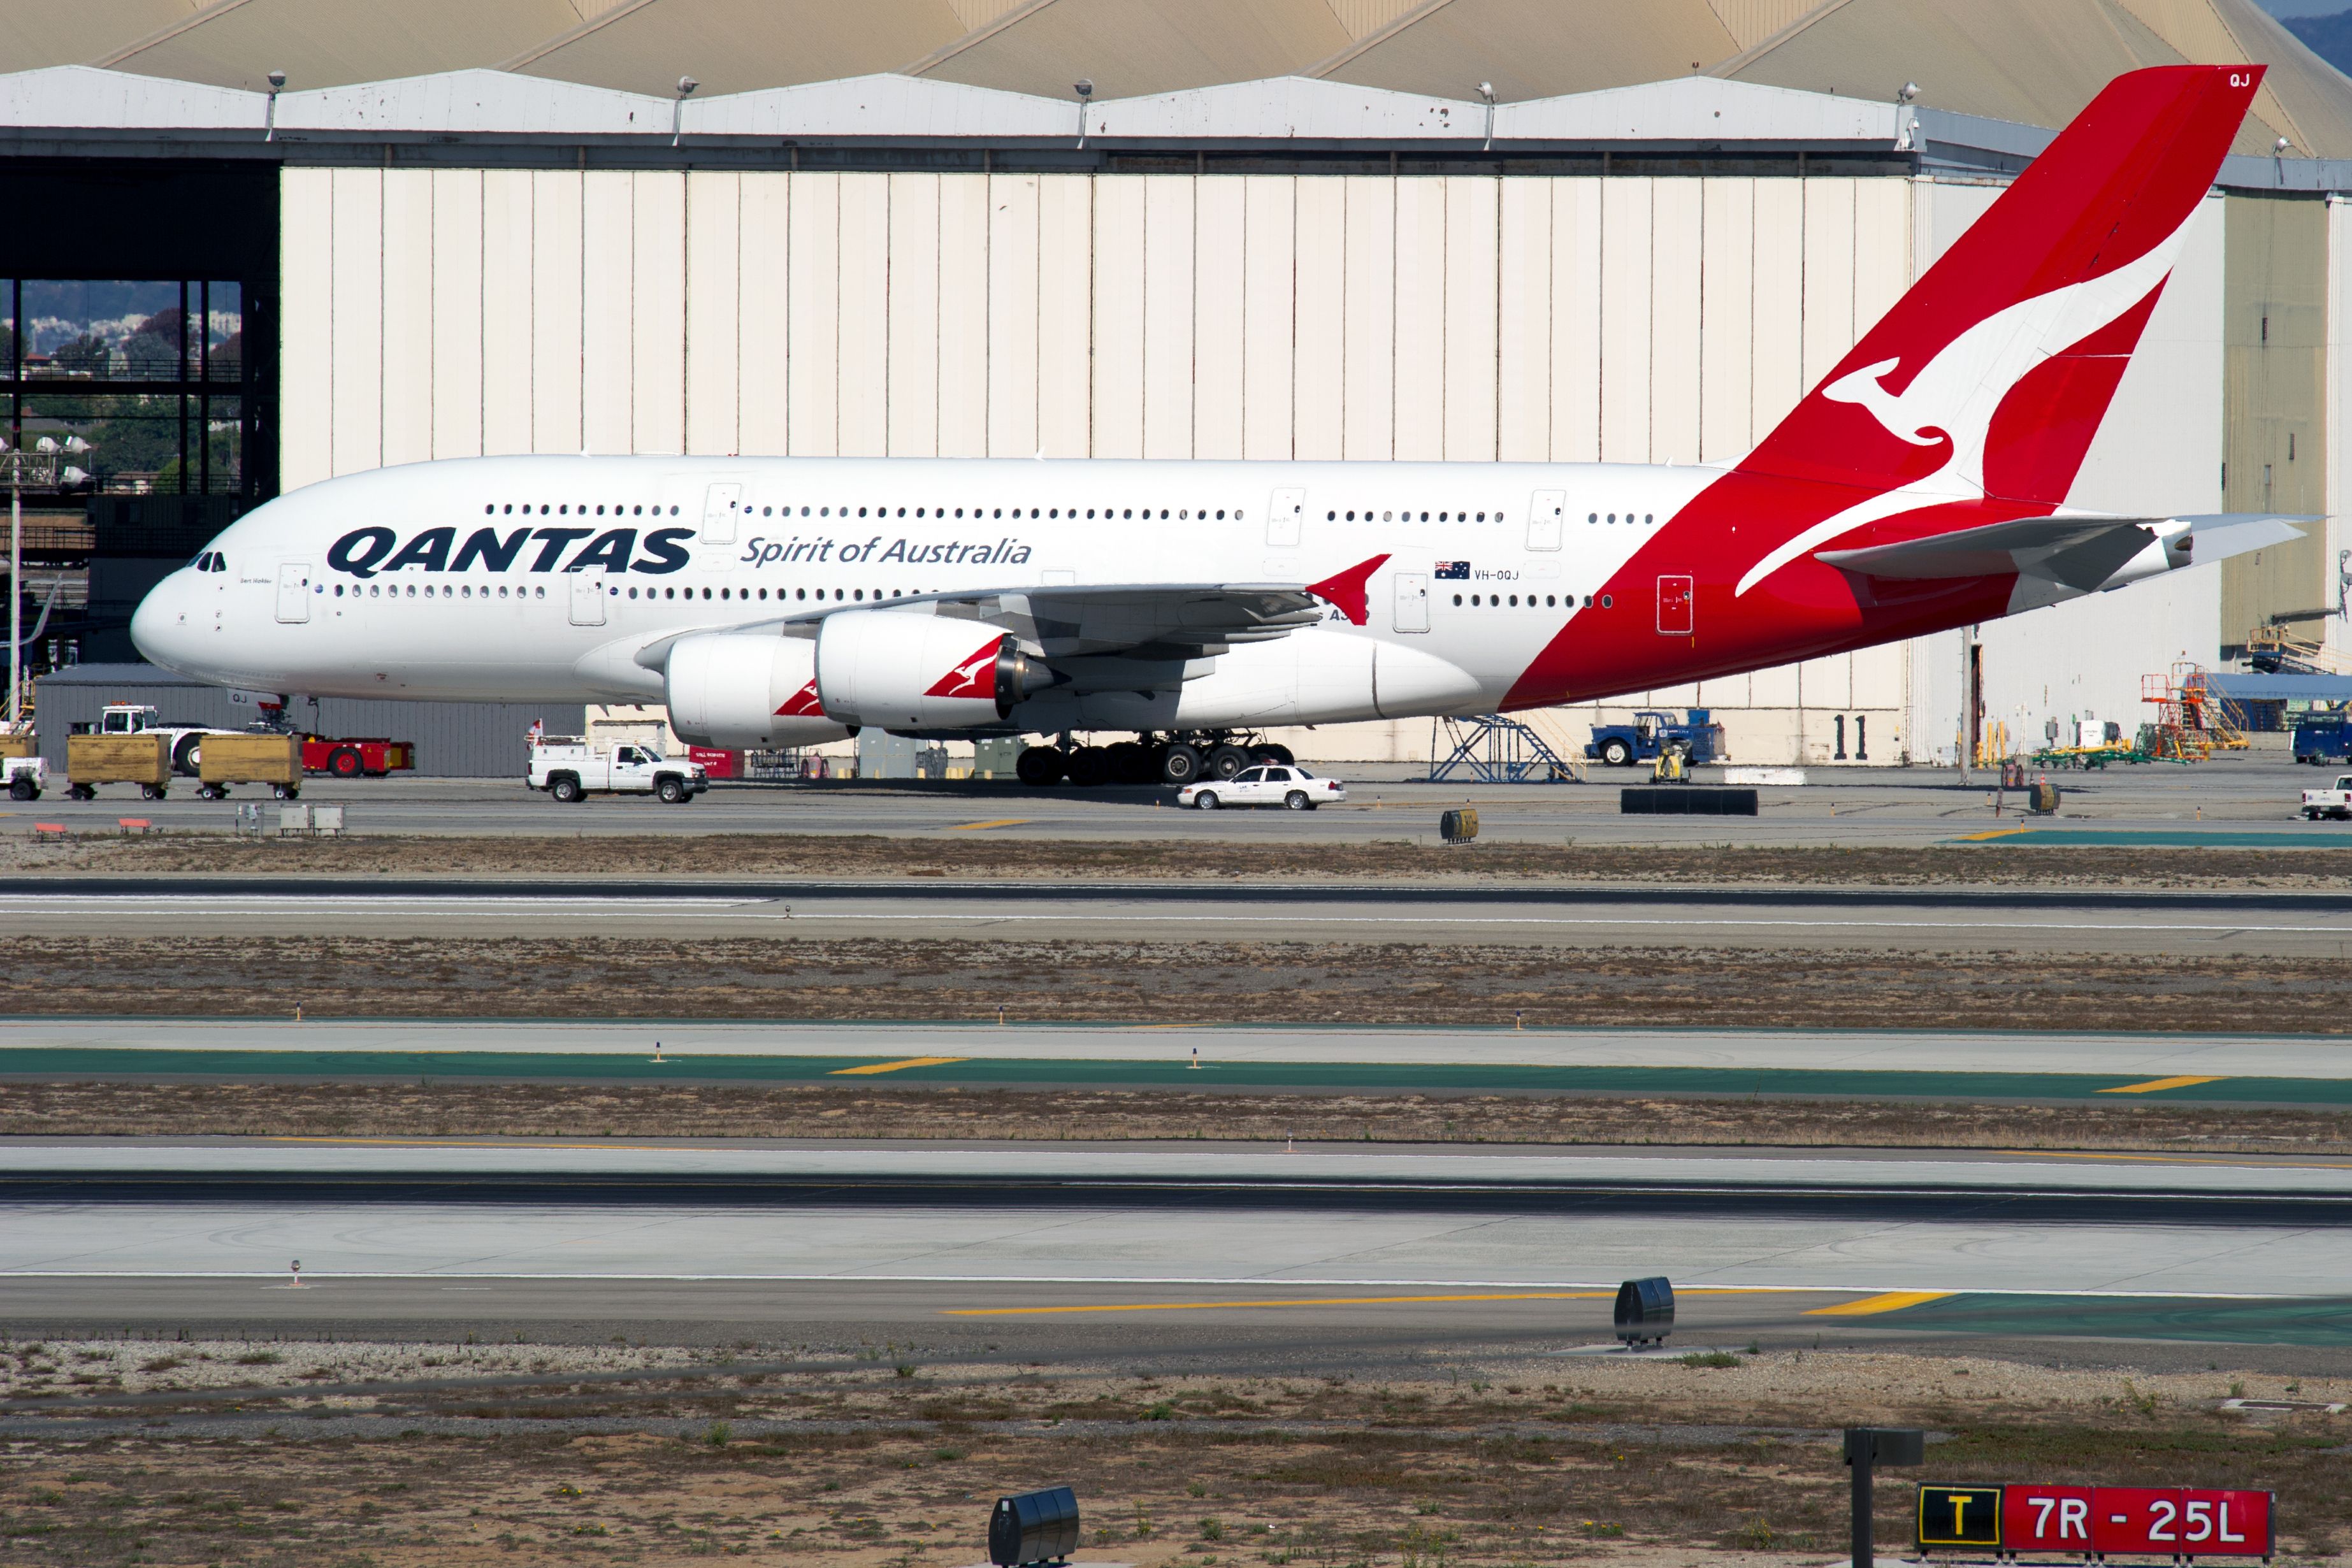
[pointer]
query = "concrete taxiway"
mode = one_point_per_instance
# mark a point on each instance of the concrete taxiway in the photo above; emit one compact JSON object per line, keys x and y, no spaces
{"x":1949,"y":1065}
{"x":1790,"y":920}
{"x":2236,"y":798}
{"x":1074,"y":1248}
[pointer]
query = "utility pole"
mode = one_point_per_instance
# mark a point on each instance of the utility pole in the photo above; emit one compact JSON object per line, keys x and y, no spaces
{"x":1968,"y":732}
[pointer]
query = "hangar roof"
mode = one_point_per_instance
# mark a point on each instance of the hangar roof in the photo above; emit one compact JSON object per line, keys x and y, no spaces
{"x":1397,"y":70}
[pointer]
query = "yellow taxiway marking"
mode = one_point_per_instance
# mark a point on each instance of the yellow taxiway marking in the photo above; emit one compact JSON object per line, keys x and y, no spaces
{"x":1323,"y":1302}
{"x":1891,"y":1301}
{"x":2178,"y":1159}
{"x":998,"y":822}
{"x":1996,"y":834}
{"x":873,"y":1067}
{"x":2154,"y":1084}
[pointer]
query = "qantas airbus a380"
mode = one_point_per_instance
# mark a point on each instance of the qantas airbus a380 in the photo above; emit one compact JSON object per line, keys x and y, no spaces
{"x":776,"y":602}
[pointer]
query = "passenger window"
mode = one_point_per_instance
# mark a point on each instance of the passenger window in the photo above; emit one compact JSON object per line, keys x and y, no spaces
{"x":1277,"y":775}
{"x":1249,"y":776}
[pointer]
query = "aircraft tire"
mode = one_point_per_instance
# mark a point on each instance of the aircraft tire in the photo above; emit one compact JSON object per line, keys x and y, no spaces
{"x":1180,"y":766}
{"x":1225,"y":761}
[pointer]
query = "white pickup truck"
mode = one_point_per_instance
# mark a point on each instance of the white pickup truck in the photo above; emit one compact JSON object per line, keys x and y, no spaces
{"x":2334,"y":803}
{"x":25,"y":776}
{"x":571,"y":770}
{"x":186,"y":740}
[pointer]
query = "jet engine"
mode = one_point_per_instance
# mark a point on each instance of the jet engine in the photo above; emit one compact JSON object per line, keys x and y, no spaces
{"x":909,"y":669}
{"x":737,"y":689}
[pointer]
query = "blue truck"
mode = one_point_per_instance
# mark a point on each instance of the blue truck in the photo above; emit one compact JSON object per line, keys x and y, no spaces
{"x":1652,"y":731}
{"x":2324,"y":737}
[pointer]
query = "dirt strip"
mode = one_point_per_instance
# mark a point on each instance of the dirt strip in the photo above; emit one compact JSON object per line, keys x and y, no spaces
{"x":849,"y":856}
{"x":445,"y":1108}
{"x":1713,"y":1460}
{"x":753,"y":979}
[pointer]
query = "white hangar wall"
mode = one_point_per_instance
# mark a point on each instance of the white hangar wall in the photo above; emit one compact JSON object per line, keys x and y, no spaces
{"x":453,"y":312}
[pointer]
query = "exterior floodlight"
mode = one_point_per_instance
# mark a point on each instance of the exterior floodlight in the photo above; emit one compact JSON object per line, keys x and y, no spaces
{"x":686,"y":85}
{"x":45,"y":443}
{"x":1034,"y":1527}
{"x":2278,"y":148}
{"x":677,"y":107}
{"x":76,"y":444}
{"x":278,"y":81}
{"x":73,"y":477}
{"x":269,"y":118}
{"x":1909,"y":90}
{"x":1487,"y":93}
{"x":1645,"y":1312}
{"x":1083,"y":87}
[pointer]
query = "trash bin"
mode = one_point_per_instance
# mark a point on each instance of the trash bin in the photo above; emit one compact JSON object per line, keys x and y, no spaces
{"x":1034,"y":1527}
{"x":1646,"y":1311}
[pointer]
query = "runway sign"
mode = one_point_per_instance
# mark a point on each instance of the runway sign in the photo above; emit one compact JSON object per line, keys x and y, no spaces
{"x":1960,"y":1516}
{"x":2137,"y":1522}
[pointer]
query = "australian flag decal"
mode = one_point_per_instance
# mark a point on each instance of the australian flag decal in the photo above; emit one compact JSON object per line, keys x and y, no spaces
{"x":1453,"y":570}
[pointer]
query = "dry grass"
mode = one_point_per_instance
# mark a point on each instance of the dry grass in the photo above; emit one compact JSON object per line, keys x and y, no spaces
{"x":1191,"y":981}
{"x":1508,"y":1462}
{"x":773,"y":855}
{"x":684,"y":1109}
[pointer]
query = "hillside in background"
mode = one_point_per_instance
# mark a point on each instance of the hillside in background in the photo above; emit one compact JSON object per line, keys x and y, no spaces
{"x":2329,"y":37}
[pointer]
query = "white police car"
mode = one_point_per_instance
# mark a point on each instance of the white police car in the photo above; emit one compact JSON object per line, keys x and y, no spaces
{"x":1267,"y":784}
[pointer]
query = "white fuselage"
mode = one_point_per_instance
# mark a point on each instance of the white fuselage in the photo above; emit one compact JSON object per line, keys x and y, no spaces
{"x":542,"y":579}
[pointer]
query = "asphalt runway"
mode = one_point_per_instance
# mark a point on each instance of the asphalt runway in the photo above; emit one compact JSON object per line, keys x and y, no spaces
{"x":2283,"y":1070}
{"x":1077,"y":1252}
{"x":2047,"y":921}
{"x":2234,"y":799}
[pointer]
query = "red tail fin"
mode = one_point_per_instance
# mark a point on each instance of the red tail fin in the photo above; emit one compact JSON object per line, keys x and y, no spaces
{"x":1990,"y":377}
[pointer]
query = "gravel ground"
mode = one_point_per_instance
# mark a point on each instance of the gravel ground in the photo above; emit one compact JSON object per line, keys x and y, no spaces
{"x":1647,"y":1464}
{"x":747,"y":979}
{"x":684,"y":1109}
{"x":838,"y":856}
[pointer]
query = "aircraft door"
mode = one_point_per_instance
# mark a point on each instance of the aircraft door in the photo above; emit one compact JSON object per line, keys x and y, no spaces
{"x":721,"y":503}
{"x":1412,"y":602}
{"x":1284,"y":517}
{"x":1547,"y":514}
{"x":293,"y":590}
{"x":1675,"y":607}
{"x":587,"y":599}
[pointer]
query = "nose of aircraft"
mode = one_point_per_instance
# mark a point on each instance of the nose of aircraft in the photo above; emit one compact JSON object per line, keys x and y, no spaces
{"x":160,"y":627}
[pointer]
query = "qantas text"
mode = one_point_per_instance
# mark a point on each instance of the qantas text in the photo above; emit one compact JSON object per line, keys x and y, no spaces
{"x":363,"y":552}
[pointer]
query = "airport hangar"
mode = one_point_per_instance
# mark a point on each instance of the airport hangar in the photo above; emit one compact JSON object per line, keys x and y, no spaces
{"x":1277,"y":228}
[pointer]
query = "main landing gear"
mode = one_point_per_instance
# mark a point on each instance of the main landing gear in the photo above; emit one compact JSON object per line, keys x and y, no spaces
{"x":1148,"y":759}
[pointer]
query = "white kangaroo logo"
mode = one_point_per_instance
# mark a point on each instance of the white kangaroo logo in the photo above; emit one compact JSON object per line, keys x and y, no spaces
{"x":1955,"y":395}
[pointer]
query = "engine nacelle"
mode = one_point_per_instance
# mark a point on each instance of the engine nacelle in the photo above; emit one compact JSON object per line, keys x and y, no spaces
{"x":909,"y":669}
{"x":738,"y":689}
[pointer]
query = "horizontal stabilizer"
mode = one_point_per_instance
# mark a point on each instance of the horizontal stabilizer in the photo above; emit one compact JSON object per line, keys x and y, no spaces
{"x":2077,"y":552}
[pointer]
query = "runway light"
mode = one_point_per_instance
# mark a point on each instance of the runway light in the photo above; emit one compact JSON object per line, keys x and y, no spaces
{"x":1646,"y":1311}
{"x":1034,"y":1527}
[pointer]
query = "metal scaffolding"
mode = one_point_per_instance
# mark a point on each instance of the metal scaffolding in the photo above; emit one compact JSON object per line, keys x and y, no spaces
{"x":1492,"y":749}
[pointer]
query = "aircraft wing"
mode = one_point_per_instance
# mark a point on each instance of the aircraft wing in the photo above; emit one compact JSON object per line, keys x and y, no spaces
{"x":1149,"y":621}
{"x":2077,"y":552}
